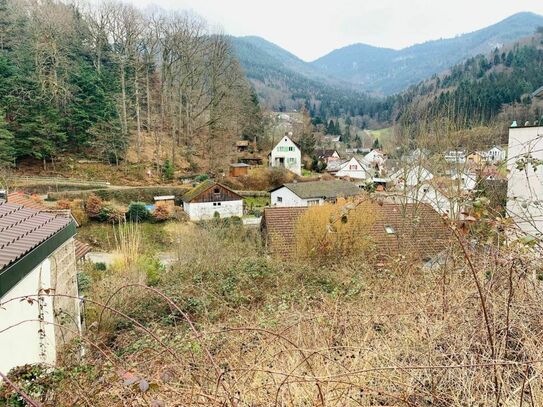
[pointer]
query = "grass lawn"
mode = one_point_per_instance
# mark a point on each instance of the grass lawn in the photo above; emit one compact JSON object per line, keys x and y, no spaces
{"x":381,"y":134}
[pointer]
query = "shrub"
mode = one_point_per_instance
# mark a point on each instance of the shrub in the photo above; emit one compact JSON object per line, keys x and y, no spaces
{"x":153,"y":269}
{"x":137,"y":212}
{"x":64,"y":204}
{"x":100,"y":266}
{"x":93,"y":206}
{"x":179,"y":214}
{"x":168,"y":170}
{"x":111,"y":213}
{"x":201,"y":178}
{"x":162,"y":212}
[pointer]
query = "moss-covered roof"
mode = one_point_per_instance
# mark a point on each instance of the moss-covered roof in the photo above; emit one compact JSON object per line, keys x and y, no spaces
{"x":197,"y":190}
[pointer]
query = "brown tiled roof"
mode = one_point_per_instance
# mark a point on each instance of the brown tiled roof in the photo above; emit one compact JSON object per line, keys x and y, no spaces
{"x":418,"y":231}
{"x":81,"y":249}
{"x":278,"y":226}
{"x":325,"y":152}
{"x":25,"y":200}
{"x":22,"y":229}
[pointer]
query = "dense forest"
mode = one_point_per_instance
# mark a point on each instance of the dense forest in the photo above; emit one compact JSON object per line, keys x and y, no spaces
{"x":476,"y":92}
{"x":99,"y":79}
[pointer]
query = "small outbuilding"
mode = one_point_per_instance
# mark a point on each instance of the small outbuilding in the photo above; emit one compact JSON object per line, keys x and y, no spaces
{"x":210,"y":199}
{"x":239,"y":169}
{"x":37,"y":258}
{"x":312,"y":193}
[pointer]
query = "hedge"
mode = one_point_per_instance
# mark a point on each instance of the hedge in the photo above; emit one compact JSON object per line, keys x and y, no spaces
{"x":124,"y":195}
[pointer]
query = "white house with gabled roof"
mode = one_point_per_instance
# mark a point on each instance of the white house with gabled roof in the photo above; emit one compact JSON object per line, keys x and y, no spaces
{"x":286,"y":154}
{"x":354,"y":169}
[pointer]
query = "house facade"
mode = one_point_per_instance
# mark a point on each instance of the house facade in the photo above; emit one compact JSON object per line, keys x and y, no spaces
{"x":37,"y":258}
{"x":496,"y":154}
{"x":327,"y":155}
{"x":299,"y":194}
{"x":286,"y":154}
{"x":525,"y":184}
{"x":354,"y":169}
{"x":211,"y":199}
{"x":411,"y":175}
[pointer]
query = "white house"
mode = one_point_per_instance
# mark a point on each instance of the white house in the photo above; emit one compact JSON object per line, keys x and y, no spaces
{"x":455,"y":156}
{"x":37,"y":258}
{"x":411,"y":176}
{"x":312,"y":193}
{"x":375,"y":159}
{"x":496,"y":153}
{"x":287,"y":154}
{"x":354,"y":169}
{"x":211,"y":199}
{"x":525,"y":186}
{"x":466,"y":181}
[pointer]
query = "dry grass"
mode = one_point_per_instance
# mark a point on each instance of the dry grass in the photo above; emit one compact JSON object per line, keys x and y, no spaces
{"x":238,"y":329}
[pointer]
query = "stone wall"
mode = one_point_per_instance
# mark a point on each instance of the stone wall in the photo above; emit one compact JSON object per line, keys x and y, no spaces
{"x":64,"y":282}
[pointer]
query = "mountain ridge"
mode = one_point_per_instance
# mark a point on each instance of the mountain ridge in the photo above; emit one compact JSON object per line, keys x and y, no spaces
{"x":386,"y":71}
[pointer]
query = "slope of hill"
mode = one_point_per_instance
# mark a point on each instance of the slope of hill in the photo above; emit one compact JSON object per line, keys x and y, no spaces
{"x":479,"y":90}
{"x":389,"y":71}
{"x":285,"y":82}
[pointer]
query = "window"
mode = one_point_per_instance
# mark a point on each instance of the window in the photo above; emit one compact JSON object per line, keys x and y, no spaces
{"x":291,"y":149}
{"x":291,"y":160}
{"x":279,"y":199}
{"x":216,"y":191}
{"x":353,"y":167}
{"x":312,"y":202}
{"x":216,"y":204}
{"x":390,"y":230}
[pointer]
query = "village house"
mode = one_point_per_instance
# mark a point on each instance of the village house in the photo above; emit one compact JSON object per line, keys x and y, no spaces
{"x":37,"y":258}
{"x":286,"y":154}
{"x":312,"y":193}
{"x":211,"y":199}
{"x":411,"y":175}
{"x":525,"y":186}
{"x":375,"y":159}
{"x":354,"y":169}
{"x":455,"y":156}
{"x":327,"y":155}
{"x":415,"y":231}
{"x":496,"y":154}
{"x":476,"y":158}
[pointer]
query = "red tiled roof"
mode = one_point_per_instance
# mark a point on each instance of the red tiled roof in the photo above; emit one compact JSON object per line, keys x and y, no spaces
{"x":22,"y":229}
{"x":416,"y":231}
{"x":278,"y":225}
{"x":27,"y":201}
{"x":81,"y":249}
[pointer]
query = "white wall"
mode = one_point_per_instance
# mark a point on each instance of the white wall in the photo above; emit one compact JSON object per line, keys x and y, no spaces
{"x":292,"y":159}
{"x":21,"y":345}
{"x":358,"y":173}
{"x":289,"y":198}
{"x":525,"y":187}
{"x":206,"y":210}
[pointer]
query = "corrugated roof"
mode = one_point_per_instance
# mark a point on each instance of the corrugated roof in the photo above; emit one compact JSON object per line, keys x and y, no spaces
{"x":23,"y":229}
{"x":414,"y":230}
{"x":538,"y":92}
{"x":323,"y":189}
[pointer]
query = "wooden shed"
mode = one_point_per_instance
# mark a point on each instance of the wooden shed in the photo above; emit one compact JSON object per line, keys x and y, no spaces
{"x":239,"y":169}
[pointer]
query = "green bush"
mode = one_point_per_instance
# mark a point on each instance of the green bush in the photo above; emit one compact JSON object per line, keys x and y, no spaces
{"x":153,"y":269}
{"x":201,"y":178}
{"x":137,"y":212}
{"x":168,"y":171}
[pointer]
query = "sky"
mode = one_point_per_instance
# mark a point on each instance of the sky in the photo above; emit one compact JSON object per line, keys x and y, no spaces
{"x":312,"y":28}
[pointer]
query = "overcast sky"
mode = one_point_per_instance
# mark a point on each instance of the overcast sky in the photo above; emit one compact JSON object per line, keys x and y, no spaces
{"x":312,"y":28}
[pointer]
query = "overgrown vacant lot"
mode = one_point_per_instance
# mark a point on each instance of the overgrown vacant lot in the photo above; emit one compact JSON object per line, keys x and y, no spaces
{"x":229,"y":327}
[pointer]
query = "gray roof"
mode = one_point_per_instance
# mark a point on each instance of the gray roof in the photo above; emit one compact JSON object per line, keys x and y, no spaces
{"x":323,"y":189}
{"x":23,"y":229}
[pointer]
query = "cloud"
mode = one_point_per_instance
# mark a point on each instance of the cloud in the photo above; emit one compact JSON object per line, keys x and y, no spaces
{"x":311,"y":28}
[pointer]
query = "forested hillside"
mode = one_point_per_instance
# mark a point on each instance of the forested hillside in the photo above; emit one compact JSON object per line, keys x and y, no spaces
{"x":476,"y":92}
{"x":389,"y":71}
{"x":95,"y":81}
